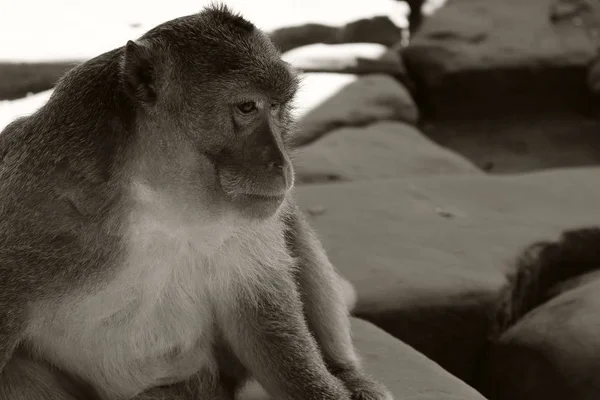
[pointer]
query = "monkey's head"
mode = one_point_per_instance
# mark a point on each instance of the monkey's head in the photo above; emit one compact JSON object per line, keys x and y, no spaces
{"x":212,"y":99}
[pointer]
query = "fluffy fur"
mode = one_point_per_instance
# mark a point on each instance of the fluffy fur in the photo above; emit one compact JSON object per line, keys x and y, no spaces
{"x":150,"y":247}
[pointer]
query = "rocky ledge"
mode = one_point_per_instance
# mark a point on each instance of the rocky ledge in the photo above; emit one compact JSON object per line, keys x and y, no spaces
{"x":429,"y":186}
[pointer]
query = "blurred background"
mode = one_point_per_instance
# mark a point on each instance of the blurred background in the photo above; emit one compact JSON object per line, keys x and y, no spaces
{"x":436,"y":140}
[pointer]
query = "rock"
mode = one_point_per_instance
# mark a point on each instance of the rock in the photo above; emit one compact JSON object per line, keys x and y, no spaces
{"x":406,"y":373}
{"x":388,"y":63}
{"x":547,"y":328}
{"x":553,"y":353}
{"x":292,"y":37}
{"x":355,"y":66}
{"x":369,"y":99}
{"x":566,"y":9}
{"x":353,"y":58}
{"x":368,"y":30}
{"x":393,"y":56}
{"x":371,"y":30}
{"x":593,"y":77}
{"x":517,"y":143}
{"x":482,"y":58}
{"x":19,"y":79}
{"x":379,"y":151}
{"x":435,"y":282}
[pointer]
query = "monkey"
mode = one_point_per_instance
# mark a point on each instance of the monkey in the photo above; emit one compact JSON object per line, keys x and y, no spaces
{"x":150,"y":244}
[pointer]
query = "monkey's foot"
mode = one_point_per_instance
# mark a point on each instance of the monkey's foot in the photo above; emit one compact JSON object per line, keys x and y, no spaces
{"x":364,"y":388}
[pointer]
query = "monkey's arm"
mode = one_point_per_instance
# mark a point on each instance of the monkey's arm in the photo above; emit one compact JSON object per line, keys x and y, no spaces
{"x":266,"y":330}
{"x":325,"y":309}
{"x":10,"y":329}
{"x":12,"y":310}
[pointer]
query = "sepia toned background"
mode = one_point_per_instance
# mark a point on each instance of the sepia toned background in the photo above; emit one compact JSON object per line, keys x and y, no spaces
{"x":429,"y":156}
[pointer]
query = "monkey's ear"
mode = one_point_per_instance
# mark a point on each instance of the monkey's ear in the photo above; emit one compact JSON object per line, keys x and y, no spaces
{"x":139,"y":73}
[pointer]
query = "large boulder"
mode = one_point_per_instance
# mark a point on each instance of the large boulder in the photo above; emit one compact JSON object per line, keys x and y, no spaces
{"x":378,"y":29}
{"x":379,"y":151}
{"x":369,"y":99}
{"x":406,"y":373}
{"x":551,"y":349}
{"x":553,"y":353}
{"x":516,"y":143}
{"x":477,"y":58}
{"x":20,"y":79}
{"x":430,"y":256}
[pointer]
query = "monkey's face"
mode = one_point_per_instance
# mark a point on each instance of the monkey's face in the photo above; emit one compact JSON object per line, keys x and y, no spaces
{"x":223,"y":99}
{"x":248,"y":148}
{"x":239,"y":125}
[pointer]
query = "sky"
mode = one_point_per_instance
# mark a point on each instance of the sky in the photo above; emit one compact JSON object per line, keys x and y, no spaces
{"x":32,"y":30}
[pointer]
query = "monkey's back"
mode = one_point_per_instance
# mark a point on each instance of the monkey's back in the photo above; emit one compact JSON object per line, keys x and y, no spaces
{"x":60,"y":199}
{"x":46,"y":244}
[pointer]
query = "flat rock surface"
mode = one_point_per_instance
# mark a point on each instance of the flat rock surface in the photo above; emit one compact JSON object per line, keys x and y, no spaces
{"x":487,"y":56}
{"x":429,"y":256}
{"x":368,"y":99}
{"x":378,"y":151}
{"x":407,"y":374}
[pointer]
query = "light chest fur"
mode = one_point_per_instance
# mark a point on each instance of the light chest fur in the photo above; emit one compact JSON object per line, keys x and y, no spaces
{"x":154,"y":322}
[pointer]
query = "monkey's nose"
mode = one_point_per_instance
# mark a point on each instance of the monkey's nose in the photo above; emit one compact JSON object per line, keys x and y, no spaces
{"x":280,"y":172}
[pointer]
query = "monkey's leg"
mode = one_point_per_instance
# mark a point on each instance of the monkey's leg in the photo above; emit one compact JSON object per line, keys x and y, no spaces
{"x":264,"y":326}
{"x":165,"y":393}
{"x":26,"y":379}
{"x":326,"y":311}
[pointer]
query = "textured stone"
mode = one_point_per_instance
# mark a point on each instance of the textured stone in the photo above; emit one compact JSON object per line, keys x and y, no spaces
{"x":430,"y":256}
{"x":379,"y":151}
{"x":368,"y":30}
{"x":369,"y":99}
{"x":475,"y":58}
{"x":553,"y":352}
{"x":547,"y":329}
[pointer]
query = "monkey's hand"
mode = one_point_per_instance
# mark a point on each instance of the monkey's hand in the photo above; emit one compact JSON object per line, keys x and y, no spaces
{"x":363,"y":387}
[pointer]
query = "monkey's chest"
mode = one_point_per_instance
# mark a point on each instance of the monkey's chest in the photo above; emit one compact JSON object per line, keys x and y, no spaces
{"x":151,"y":326}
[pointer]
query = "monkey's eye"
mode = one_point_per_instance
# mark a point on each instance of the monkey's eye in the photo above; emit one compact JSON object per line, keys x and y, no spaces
{"x":247,"y":107}
{"x":275,"y":107}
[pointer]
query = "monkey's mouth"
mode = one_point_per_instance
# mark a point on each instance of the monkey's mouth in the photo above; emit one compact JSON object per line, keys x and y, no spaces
{"x":259,"y":205}
{"x":266,"y":192}
{"x":263,"y":197}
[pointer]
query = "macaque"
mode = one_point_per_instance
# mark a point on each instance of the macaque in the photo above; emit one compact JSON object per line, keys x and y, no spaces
{"x":150,"y":246}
